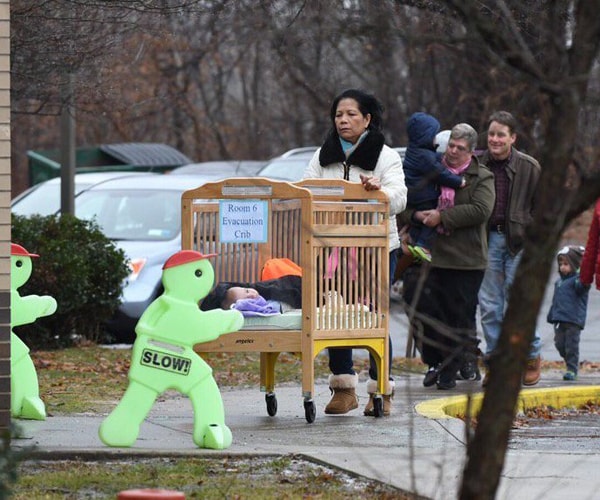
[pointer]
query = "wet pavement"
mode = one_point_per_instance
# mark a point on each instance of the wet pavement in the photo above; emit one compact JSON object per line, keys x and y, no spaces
{"x":556,"y":459}
{"x":569,"y":432}
{"x":406,"y":450}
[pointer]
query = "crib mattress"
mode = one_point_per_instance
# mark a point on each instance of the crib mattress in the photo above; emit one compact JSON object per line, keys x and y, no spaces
{"x":292,"y":320}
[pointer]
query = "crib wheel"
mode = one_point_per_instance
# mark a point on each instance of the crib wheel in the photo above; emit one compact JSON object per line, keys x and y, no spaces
{"x":310,"y":411}
{"x":271,"y":401}
{"x":378,"y":406}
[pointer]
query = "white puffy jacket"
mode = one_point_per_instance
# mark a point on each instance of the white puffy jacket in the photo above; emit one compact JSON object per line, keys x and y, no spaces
{"x":388,"y":170}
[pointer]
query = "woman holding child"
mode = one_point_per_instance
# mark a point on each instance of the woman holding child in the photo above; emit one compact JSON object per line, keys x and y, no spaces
{"x":355,"y":150}
{"x":447,"y":305}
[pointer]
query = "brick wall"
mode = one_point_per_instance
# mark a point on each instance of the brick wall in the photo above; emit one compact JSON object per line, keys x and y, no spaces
{"x":5,"y":197}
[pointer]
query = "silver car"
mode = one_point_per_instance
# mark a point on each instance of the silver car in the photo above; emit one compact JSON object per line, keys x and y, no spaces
{"x":142,"y":216}
{"x":288,"y":167}
{"x":291,"y":165}
{"x":215,"y":169}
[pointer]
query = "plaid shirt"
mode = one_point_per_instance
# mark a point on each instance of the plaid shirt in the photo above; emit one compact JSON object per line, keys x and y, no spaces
{"x":502,"y":185}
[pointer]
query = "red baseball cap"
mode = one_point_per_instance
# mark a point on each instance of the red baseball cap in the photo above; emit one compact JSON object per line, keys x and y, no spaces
{"x":19,"y":250}
{"x":185,"y":256}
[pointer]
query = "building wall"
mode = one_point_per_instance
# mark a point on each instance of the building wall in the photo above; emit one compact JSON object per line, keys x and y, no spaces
{"x":5,"y":197}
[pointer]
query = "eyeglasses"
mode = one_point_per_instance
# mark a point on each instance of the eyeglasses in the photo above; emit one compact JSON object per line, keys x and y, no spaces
{"x":452,"y":145}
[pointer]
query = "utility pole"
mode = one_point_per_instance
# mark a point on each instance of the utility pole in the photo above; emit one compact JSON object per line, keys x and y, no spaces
{"x":67,"y":148}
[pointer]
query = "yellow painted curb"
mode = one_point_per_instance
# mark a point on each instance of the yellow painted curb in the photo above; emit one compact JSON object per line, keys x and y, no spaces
{"x":557,"y":397}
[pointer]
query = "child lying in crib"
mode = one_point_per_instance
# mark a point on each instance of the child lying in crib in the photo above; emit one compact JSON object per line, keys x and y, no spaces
{"x":250,"y":303}
{"x":263,"y":298}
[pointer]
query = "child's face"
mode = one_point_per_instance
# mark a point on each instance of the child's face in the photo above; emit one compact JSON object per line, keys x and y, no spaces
{"x":236,"y":293}
{"x":564,"y":267}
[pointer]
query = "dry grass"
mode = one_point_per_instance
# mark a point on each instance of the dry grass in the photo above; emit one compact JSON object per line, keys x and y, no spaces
{"x":239,"y":478}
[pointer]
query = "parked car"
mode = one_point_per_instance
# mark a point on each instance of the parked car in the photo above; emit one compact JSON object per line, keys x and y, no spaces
{"x":44,"y":198}
{"x":303,"y":151}
{"x":219,"y":169}
{"x":288,"y":167}
{"x":142,"y":215}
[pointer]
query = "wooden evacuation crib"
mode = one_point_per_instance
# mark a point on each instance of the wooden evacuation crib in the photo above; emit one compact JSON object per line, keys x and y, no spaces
{"x":336,"y":231}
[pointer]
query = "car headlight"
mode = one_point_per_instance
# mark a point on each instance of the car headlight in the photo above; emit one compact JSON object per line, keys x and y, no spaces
{"x":135,"y":267}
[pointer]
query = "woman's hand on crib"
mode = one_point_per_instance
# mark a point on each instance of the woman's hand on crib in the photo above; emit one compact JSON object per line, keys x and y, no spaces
{"x":370,"y":183}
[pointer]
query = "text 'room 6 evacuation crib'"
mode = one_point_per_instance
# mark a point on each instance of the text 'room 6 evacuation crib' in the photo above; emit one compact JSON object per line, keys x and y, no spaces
{"x":336,"y":231}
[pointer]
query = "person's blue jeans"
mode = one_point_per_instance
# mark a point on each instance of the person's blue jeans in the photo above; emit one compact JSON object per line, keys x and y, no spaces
{"x":493,"y":294}
{"x":340,"y":360}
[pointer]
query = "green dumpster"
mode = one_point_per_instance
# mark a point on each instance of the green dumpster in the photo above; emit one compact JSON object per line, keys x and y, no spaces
{"x":128,"y":157}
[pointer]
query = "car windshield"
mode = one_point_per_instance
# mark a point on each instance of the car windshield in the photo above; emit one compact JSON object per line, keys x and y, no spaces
{"x":43,"y":200}
{"x":141,"y":215}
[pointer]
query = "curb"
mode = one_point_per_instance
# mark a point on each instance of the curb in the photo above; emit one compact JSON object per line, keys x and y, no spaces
{"x":558,"y":397}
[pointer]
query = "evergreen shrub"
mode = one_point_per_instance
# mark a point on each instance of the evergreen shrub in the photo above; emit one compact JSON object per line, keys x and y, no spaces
{"x":78,"y":266}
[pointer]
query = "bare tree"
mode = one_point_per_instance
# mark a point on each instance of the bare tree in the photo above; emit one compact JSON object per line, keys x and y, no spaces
{"x":551,"y":49}
{"x":245,"y":79}
{"x":555,"y":53}
{"x":49,"y":41}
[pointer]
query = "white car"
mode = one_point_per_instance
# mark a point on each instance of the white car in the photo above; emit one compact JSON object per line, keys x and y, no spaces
{"x":44,"y":198}
{"x":142,"y":215}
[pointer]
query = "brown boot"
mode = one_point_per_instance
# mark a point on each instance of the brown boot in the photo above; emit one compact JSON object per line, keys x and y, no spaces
{"x":533,"y":371}
{"x":344,"y":397}
{"x":387,"y":398}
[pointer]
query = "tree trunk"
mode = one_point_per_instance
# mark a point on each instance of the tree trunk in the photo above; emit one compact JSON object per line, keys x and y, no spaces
{"x":487,"y":451}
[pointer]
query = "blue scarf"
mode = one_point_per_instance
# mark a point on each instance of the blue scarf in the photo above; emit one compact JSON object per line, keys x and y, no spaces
{"x":348,"y":147}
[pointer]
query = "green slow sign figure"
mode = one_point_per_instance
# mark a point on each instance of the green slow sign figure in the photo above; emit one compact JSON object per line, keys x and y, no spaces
{"x":163,"y":356}
{"x":25,"y":399}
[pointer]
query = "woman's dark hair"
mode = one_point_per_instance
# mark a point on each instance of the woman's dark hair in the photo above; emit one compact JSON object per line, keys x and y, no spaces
{"x":367,"y":104}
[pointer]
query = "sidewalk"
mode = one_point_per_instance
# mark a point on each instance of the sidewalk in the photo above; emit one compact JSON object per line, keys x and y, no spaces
{"x":406,"y":450}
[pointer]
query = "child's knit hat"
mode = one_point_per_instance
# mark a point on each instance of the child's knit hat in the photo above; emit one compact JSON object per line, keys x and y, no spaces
{"x":573,"y":253}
